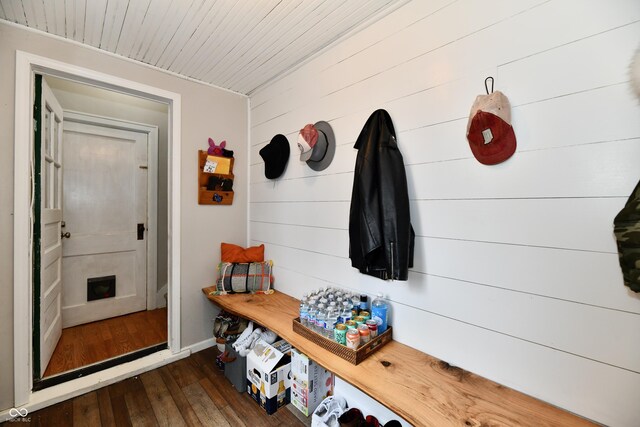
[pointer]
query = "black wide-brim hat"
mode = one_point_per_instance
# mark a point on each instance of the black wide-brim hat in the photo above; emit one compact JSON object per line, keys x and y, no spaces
{"x":276,"y":156}
{"x":325,"y":147}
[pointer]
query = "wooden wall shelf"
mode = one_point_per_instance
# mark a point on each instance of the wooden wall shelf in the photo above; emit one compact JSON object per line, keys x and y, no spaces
{"x":217,"y":196}
{"x":418,"y":387}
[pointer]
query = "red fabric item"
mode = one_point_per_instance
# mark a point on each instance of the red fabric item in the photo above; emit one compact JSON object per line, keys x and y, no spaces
{"x":492,"y":140}
{"x":237,"y":254}
{"x":310,"y":134}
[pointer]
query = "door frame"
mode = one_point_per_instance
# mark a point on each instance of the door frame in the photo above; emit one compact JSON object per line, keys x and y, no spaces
{"x":152,"y":186}
{"x":27,"y":65}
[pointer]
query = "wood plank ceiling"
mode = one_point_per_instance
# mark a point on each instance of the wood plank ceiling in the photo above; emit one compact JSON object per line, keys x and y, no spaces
{"x":235,"y":44}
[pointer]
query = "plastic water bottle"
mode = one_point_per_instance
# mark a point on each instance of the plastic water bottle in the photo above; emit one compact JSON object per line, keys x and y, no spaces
{"x":380,"y":312}
{"x":345,"y":314}
{"x":303,"y":301}
{"x":311,"y":316}
{"x":333,"y":306}
{"x":330,"y":323}
{"x":326,"y":325}
{"x":330,"y":320}
{"x":355,"y":304}
{"x":320,"y":319}
{"x":304,"y":311}
{"x":364,"y":305}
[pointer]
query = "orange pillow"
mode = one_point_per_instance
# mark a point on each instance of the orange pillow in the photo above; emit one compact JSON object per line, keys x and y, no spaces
{"x":235,"y":253}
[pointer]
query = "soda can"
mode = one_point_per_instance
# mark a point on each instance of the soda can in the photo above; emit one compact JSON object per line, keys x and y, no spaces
{"x":340,"y":334}
{"x":359,"y":320}
{"x":351,"y":324}
{"x":365,"y":333}
{"x":365,"y":315}
{"x":373,"y":327}
{"x":353,"y":339}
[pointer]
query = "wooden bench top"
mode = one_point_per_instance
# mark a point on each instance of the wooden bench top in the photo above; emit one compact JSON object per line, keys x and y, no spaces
{"x":420,"y":388}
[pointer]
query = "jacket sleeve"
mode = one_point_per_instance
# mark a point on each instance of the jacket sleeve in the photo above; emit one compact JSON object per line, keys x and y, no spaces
{"x":369,"y":221}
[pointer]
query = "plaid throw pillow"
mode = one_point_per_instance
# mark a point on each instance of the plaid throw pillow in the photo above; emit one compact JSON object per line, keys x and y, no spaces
{"x":254,"y":277}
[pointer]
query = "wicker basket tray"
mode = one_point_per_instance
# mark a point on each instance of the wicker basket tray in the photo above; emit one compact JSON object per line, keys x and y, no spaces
{"x":348,"y":354}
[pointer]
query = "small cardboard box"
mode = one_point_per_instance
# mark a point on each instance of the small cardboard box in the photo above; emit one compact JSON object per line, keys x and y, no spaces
{"x":269,"y":375}
{"x":217,"y":164}
{"x":310,"y":383}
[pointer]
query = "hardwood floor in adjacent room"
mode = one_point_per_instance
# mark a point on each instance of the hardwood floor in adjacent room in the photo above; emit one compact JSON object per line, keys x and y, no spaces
{"x":93,"y":342}
{"x":189,"y":392}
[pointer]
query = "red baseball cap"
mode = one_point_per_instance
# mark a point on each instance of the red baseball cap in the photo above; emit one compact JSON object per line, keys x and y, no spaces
{"x":307,"y":138}
{"x":489,"y":131}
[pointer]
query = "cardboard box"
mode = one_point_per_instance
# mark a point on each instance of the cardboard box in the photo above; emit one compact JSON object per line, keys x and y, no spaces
{"x":310,"y":383}
{"x":269,"y":375}
{"x":217,"y":164}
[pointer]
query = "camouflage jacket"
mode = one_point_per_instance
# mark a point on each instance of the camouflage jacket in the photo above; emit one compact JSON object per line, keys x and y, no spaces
{"x":626,"y":227}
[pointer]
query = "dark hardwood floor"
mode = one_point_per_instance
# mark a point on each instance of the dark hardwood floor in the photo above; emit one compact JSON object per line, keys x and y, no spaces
{"x":189,"y":392}
{"x":93,"y":342}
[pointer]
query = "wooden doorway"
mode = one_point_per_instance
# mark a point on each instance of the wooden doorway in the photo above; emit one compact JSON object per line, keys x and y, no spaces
{"x":107,"y":190}
{"x":27,"y":65}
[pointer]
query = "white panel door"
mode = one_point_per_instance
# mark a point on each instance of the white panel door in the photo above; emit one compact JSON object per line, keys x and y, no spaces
{"x":105,"y":198}
{"x":50,"y":225}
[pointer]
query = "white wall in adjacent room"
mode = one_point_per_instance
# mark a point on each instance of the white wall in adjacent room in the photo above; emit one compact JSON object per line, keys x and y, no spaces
{"x":515,"y":273}
{"x":92,"y":100}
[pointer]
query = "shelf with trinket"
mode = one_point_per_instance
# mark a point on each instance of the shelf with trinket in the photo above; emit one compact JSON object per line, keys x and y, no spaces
{"x":215,"y":179}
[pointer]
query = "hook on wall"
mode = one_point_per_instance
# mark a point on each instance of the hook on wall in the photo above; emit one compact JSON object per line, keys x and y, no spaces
{"x":486,"y":88}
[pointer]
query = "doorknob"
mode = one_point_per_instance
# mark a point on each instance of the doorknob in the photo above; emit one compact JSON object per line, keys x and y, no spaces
{"x":63,"y":235}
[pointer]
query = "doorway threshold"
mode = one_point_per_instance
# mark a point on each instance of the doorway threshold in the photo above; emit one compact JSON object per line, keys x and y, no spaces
{"x":96,"y":367}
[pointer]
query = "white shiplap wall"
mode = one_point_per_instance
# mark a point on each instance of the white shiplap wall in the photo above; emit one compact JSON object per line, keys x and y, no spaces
{"x":515,"y":274}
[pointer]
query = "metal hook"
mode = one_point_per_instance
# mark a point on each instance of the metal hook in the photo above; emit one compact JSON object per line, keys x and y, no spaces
{"x":486,"y":88}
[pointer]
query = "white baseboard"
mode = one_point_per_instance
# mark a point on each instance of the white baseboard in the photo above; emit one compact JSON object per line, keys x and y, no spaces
{"x":194,"y":348}
{"x":161,"y":297}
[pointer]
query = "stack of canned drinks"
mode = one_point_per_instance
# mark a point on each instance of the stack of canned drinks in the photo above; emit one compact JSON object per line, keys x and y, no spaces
{"x":343,"y":316}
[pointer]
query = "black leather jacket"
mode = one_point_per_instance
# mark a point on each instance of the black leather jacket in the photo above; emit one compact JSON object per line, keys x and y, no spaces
{"x":381,"y":238}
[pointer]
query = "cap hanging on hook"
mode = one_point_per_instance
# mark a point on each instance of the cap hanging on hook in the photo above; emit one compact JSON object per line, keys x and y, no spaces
{"x":486,"y":88}
{"x":489,"y":131}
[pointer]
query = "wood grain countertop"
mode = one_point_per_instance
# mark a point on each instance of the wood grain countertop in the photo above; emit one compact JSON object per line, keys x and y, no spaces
{"x":420,"y":388}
